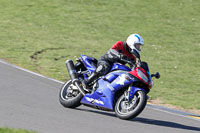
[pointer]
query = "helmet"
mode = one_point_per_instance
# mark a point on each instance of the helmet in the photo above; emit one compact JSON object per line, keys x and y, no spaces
{"x":134,"y":42}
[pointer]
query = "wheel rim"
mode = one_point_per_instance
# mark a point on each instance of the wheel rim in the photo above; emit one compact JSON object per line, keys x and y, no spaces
{"x":69,"y":91}
{"x":125,"y":107}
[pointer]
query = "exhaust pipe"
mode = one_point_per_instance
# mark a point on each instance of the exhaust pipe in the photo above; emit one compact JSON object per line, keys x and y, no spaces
{"x":71,"y":70}
{"x":73,"y":75}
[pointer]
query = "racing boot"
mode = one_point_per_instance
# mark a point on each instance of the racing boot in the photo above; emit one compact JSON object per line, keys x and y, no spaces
{"x":92,"y":77}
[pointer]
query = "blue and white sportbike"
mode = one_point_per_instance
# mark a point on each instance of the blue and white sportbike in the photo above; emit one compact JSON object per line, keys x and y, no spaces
{"x":123,"y":90}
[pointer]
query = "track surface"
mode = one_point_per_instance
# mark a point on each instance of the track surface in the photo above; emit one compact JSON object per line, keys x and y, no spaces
{"x":31,"y":102}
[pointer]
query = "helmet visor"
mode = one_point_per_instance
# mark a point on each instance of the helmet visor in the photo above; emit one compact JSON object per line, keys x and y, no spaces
{"x":135,"y":53}
{"x":138,"y":46}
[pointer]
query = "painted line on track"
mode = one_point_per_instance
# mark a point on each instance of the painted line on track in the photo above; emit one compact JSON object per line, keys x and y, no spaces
{"x":28,"y":71}
{"x":193,"y":116}
{"x":174,"y":111}
{"x":155,"y":107}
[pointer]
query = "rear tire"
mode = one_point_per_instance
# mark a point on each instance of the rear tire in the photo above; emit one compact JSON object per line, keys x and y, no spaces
{"x":128,"y":110}
{"x":69,"y":95}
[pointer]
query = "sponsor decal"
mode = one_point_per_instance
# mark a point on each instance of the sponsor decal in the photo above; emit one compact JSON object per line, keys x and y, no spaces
{"x":121,"y":80}
{"x":92,"y":100}
{"x":110,"y":87}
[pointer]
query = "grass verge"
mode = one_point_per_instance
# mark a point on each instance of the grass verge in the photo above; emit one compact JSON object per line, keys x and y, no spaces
{"x":10,"y":130}
{"x":40,"y":35}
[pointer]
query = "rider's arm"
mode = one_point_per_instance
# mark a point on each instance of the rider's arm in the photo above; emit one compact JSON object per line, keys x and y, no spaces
{"x":112,"y":55}
{"x":118,"y":46}
{"x":123,"y":52}
{"x":115,"y":54}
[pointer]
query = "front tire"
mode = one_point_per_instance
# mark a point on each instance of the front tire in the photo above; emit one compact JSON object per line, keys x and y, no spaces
{"x":125,"y":109}
{"x":69,"y":95}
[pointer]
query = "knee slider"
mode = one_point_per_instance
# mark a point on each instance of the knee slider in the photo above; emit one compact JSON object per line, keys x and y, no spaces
{"x":99,"y":69}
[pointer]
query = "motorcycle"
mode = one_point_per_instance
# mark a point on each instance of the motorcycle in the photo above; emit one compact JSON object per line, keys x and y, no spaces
{"x":123,"y":90}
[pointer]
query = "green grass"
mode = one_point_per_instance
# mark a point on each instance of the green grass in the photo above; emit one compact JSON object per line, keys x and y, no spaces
{"x":10,"y":130}
{"x":64,"y":29}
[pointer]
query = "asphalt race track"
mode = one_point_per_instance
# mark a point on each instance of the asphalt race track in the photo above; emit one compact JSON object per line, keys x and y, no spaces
{"x":30,"y":101}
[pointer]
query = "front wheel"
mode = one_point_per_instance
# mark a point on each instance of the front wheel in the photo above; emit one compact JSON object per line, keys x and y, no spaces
{"x":69,"y":95}
{"x":125,"y":109}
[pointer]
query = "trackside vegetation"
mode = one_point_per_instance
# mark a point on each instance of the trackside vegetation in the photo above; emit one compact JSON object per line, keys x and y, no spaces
{"x":10,"y":130}
{"x":40,"y":35}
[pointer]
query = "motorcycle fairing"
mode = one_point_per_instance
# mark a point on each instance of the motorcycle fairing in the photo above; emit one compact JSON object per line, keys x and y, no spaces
{"x":110,"y":77}
{"x":141,"y":74}
{"x":117,"y":66}
{"x":118,"y":78}
{"x":133,"y":90}
{"x":102,"y":97}
{"x":87,"y":61}
{"x":105,"y":94}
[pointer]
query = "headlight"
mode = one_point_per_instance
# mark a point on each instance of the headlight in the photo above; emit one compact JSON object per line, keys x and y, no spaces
{"x":142,"y":76}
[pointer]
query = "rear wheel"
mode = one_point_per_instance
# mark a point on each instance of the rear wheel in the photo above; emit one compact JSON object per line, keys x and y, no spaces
{"x":125,"y":109}
{"x":69,"y":95}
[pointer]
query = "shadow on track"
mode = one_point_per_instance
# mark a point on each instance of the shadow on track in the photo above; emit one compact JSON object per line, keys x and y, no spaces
{"x":97,"y":112}
{"x":147,"y":121}
{"x":164,"y":123}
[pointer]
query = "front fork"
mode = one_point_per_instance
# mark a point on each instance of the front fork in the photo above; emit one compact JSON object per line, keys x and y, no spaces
{"x":129,"y":95}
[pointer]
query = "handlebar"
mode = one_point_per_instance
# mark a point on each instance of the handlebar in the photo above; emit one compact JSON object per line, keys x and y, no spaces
{"x":127,"y":60}
{"x":132,"y":63}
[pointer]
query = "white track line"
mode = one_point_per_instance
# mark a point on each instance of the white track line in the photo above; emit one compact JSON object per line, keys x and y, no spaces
{"x":9,"y":64}
{"x":162,"y":110}
{"x":25,"y":70}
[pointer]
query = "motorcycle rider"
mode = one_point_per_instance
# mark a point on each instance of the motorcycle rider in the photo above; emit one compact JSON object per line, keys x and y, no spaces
{"x":121,"y":50}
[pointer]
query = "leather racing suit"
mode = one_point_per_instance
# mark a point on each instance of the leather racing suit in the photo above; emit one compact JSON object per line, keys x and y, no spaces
{"x":119,"y":50}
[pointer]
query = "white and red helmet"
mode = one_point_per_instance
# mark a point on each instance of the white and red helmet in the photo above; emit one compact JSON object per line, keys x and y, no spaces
{"x":135,"y":41}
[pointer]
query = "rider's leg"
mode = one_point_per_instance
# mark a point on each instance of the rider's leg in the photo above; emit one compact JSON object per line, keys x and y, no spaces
{"x":103,"y":68}
{"x":92,"y":77}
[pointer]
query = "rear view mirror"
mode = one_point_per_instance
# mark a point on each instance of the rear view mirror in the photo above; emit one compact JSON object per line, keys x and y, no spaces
{"x":156,"y":75}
